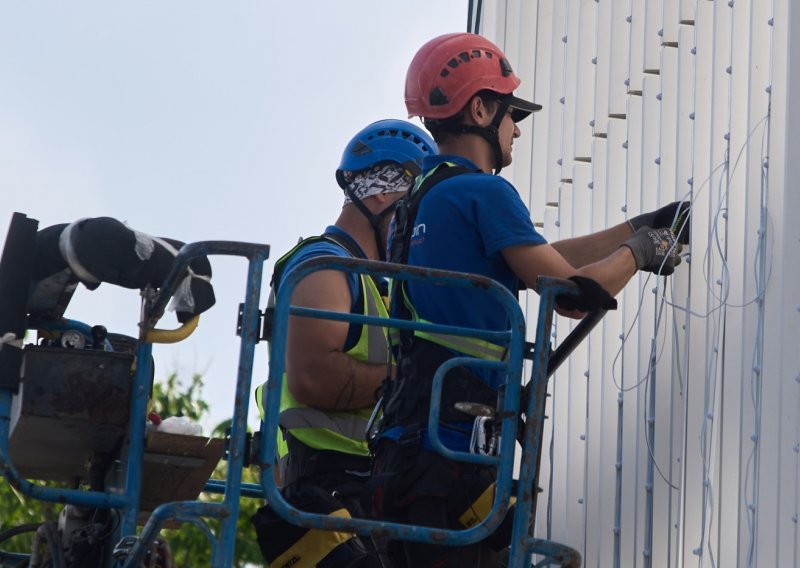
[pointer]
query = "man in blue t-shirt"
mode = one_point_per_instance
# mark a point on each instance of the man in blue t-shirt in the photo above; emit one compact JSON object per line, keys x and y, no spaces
{"x":462,"y":86}
{"x":333,"y":369}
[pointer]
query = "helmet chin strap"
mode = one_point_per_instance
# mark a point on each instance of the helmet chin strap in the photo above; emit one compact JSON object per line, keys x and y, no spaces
{"x":489,"y":133}
{"x":375,"y":221}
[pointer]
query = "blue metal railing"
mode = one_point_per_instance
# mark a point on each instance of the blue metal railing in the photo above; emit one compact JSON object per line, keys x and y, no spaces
{"x":194,"y":511}
{"x":523,"y":544}
{"x":514,"y":338}
{"x":127,"y":500}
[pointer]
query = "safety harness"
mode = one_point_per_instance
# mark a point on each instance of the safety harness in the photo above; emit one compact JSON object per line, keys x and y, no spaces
{"x":375,"y":220}
{"x":458,"y":494}
{"x":420,"y":353}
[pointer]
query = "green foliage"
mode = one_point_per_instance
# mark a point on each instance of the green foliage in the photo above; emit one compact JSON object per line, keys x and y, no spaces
{"x":16,"y":510}
{"x":169,"y":400}
{"x":190,"y":546}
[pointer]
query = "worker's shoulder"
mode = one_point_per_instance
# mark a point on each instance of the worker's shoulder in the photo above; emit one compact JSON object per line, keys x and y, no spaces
{"x":478,"y":183}
{"x":314,"y":247}
{"x":307,"y":249}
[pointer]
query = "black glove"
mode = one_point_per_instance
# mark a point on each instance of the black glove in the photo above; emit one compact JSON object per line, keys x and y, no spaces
{"x":666,"y":218}
{"x":655,"y":250}
{"x":592,"y":297}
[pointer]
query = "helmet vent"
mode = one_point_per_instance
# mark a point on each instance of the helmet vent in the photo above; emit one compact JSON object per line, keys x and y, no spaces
{"x":464,"y":56}
{"x":360,"y":149}
{"x":476,"y":54}
{"x":437,"y":97}
{"x":505,"y":67}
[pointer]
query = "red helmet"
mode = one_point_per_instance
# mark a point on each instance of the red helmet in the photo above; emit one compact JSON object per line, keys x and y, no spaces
{"x":450,"y":69}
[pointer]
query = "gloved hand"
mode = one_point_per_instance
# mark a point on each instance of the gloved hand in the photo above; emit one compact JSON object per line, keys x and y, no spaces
{"x":655,"y":250}
{"x":666,"y":218}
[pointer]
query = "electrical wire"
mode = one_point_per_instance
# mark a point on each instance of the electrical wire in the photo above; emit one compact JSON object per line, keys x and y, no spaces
{"x":762,"y":278}
{"x":721,"y":301}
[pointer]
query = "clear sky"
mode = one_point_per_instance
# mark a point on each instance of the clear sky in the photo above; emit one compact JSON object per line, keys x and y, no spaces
{"x":197,"y":120}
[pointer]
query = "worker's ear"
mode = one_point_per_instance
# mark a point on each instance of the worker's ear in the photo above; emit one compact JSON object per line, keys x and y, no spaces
{"x":477,"y":112}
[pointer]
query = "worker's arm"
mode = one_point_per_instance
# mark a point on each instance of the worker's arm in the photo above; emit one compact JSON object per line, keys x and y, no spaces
{"x":531,"y":261}
{"x":580,"y":251}
{"x":652,"y":250}
{"x":318,"y":372}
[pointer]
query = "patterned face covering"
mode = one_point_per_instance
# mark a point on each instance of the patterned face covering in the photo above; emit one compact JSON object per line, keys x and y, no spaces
{"x":380,"y":178}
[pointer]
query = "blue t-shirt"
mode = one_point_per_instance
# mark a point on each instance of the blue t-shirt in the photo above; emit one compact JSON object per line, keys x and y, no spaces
{"x":328,"y":248}
{"x":463,"y":224}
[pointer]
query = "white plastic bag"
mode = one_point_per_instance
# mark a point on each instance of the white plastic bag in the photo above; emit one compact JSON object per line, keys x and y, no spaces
{"x":179,"y":425}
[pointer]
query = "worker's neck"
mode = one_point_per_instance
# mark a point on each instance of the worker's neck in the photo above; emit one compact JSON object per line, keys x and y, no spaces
{"x":471,"y":146}
{"x":355,"y":224}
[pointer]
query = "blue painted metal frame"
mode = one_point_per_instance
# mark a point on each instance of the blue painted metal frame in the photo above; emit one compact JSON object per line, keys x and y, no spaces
{"x":128,"y":500}
{"x":523,"y":544}
{"x":514,"y":338}
{"x":64,"y":324}
{"x":194,"y":511}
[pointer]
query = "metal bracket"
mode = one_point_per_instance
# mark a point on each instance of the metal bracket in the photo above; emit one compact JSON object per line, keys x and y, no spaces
{"x":265,"y":326}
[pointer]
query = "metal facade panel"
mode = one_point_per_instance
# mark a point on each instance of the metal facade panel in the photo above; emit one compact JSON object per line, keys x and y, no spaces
{"x":784,"y":203}
{"x":581,"y":215}
{"x":750,"y":65}
{"x":599,"y":478}
{"x":619,"y":63}
{"x":671,"y":22}
{"x":555,"y":50}
{"x":687,"y":11}
{"x":667,"y":426}
{"x":544,"y":161}
{"x":636,"y":48}
{"x":602,"y":63}
{"x":569,"y":98}
{"x":585,"y":44}
{"x":703,"y":354}
{"x":722,"y":486}
{"x":520,"y":46}
{"x":632,"y":473}
{"x":653,"y":32}
{"x":614,"y":329}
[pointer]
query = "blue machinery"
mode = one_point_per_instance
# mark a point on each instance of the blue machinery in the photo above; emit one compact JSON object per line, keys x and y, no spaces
{"x":532,"y":398}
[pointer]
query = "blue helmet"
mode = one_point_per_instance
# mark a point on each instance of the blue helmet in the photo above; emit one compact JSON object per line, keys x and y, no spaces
{"x":386,"y":141}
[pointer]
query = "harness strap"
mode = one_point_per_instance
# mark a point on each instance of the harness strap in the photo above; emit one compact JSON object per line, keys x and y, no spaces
{"x":406,"y":216}
{"x":375,"y":220}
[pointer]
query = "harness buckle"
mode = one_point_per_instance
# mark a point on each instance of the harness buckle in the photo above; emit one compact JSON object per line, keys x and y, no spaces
{"x":375,"y":422}
{"x":485,"y":439}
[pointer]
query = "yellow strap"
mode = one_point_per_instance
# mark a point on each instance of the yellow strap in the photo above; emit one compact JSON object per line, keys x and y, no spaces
{"x":479,"y":510}
{"x":471,"y":346}
{"x":313,"y":546}
{"x":173,"y":335}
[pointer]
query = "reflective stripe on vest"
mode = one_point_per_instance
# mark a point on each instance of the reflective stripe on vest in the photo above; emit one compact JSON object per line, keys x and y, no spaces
{"x":472,"y":346}
{"x":339,"y":430}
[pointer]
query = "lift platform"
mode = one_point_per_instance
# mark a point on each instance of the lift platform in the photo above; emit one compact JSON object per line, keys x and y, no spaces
{"x":101,"y":445}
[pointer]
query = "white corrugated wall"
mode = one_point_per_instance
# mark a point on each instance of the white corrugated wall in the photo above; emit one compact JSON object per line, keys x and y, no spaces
{"x":675,"y":428}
